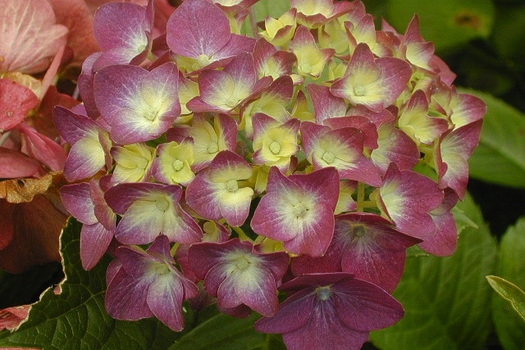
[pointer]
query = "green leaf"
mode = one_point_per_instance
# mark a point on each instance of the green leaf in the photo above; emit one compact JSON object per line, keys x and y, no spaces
{"x":511,"y":266}
{"x":445,"y":299}
{"x":447,"y":23}
{"x":510,"y":292}
{"x":76,"y":318}
{"x":222,"y":332}
{"x":500,"y":156}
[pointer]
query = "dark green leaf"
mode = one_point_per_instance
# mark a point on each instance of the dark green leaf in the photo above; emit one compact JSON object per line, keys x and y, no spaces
{"x":446,"y":299}
{"x":511,"y":266}
{"x":76,"y":318}
{"x":222,"y":332}
{"x":500,"y":156}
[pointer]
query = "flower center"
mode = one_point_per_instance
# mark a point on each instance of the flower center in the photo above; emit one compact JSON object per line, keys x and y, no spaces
{"x":328,"y":157}
{"x":275,"y":147}
{"x":212,"y":148}
{"x":162,"y":204}
{"x":300,"y":210}
{"x":242,"y":263}
{"x":358,"y":230}
{"x":324,"y":293}
{"x":232,"y":186}
{"x":178,"y":164}
{"x":359,"y":90}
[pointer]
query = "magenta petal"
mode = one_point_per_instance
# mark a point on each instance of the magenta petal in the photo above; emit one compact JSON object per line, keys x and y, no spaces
{"x":165,"y":297}
{"x":94,"y":242}
{"x":299,"y":210}
{"x":125,"y":297}
{"x":122,"y":26}
{"x":76,"y":199}
{"x":15,"y":164}
{"x":197,"y":27}
{"x":137,"y":105}
{"x":364,"y":306}
{"x":294,"y":313}
{"x":149,"y":210}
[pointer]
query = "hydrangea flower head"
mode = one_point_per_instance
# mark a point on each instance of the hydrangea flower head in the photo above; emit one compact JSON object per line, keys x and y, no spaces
{"x":301,"y":164}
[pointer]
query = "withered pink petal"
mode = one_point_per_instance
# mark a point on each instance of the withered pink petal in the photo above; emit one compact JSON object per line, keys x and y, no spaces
{"x":30,"y":36}
{"x":43,"y":149}
{"x":15,"y":164}
{"x":15,"y":102}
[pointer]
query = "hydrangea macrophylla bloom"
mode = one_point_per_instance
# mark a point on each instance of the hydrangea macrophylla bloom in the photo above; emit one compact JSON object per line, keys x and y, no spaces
{"x":281,"y":30}
{"x":239,"y":276}
{"x":143,"y":284}
{"x":124,"y":32}
{"x":272,"y":102}
{"x":30,"y":35}
{"x":218,"y":191}
{"x":174,"y":161}
{"x":394,"y":146}
{"x":299,"y":210}
{"x":415,"y":121}
{"x":274,"y":143}
{"x":407,"y":198}
{"x":414,"y":48}
{"x":454,"y":150}
{"x":373,"y":82}
{"x":149,"y":210}
{"x":444,"y":241}
{"x":365,"y":245}
{"x":200,"y":30}
{"x":339,"y":148}
{"x":208,"y":138}
{"x":332,"y":311}
{"x":138,"y":105}
{"x":132,"y":163}
{"x":85,"y":201}
{"x":325,"y":104}
{"x":223,"y":90}
{"x":311,"y":60}
{"x":314,"y":13}
{"x":90,"y":144}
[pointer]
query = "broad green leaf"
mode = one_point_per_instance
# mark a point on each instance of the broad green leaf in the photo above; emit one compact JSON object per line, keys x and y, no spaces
{"x":445,"y":299}
{"x":500,"y":156}
{"x":511,"y":266}
{"x":510,"y":292}
{"x":222,"y":332}
{"x":447,"y":23}
{"x":76,"y":319}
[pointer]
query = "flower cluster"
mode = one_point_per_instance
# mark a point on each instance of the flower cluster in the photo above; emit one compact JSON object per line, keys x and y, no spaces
{"x":302,"y":162}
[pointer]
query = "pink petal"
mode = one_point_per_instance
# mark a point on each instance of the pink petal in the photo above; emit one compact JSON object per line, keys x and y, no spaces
{"x":197,"y":28}
{"x":138,"y":105}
